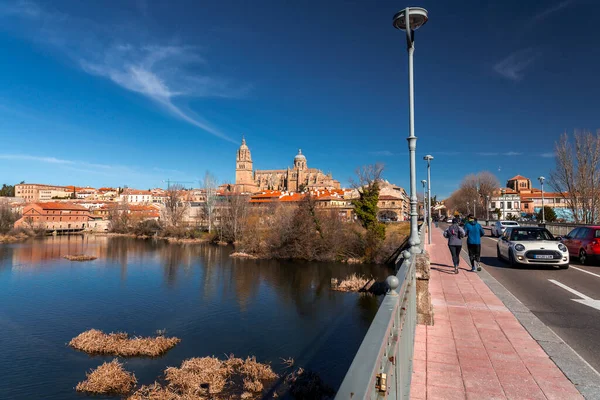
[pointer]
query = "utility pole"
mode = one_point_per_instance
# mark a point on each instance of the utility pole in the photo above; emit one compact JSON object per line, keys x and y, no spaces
{"x":542,"y":179}
{"x":503,"y":191}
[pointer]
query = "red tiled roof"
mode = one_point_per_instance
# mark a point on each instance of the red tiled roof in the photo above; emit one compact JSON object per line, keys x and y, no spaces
{"x":519,"y":177}
{"x":60,"y":206}
{"x":539,"y":195}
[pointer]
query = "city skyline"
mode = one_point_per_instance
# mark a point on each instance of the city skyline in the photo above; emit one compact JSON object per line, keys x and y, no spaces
{"x":147,"y":92}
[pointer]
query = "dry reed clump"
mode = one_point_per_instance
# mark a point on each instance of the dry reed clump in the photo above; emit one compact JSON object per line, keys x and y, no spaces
{"x":210,"y":378}
{"x":120,"y":344}
{"x":108,"y":378}
{"x":80,"y":257}
{"x":240,"y":254}
{"x":352,"y":283}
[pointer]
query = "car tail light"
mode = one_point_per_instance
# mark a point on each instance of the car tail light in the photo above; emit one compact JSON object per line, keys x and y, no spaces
{"x":595,"y":242}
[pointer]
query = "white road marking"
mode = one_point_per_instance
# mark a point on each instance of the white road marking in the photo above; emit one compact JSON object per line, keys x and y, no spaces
{"x":583,"y":270}
{"x":586,"y":300}
{"x":575,"y":292}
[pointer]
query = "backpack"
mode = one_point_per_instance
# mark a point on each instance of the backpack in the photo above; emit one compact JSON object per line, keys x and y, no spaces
{"x":454,"y":230}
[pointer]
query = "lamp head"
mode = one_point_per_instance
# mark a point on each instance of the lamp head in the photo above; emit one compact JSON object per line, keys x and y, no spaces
{"x":541,"y":179}
{"x":423,"y":182}
{"x":428,"y":157}
{"x":417,"y":17}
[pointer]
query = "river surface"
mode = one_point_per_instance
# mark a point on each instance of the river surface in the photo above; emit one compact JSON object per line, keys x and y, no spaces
{"x":216,"y":305}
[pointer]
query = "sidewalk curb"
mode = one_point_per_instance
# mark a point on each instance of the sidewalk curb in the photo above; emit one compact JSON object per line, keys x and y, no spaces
{"x":585,"y":378}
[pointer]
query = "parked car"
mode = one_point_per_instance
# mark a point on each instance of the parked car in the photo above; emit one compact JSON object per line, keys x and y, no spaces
{"x":584,"y":243}
{"x":532,"y":245}
{"x":500,"y":226}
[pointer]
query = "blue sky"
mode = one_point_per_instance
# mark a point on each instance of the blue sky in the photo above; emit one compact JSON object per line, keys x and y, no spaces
{"x":142,"y":91}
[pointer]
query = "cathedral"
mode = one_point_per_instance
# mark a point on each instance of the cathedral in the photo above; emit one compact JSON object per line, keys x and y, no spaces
{"x":296,"y":179}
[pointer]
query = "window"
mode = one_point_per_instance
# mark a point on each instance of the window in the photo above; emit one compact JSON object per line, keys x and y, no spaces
{"x":597,"y":233}
{"x":527,"y":206}
{"x":573,"y":233}
{"x":516,"y":204}
{"x":493,"y":204}
{"x":583,"y":233}
{"x":501,"y":204}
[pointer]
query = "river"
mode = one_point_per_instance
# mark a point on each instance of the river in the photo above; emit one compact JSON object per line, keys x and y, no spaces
{"x":217,"y":305}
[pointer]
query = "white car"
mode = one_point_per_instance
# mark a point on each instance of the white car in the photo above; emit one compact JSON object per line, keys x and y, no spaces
{"x":532,"y":246}
{"x":499,"y":227}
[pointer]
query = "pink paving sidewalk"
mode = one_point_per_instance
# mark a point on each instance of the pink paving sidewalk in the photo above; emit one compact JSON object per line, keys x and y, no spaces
{"x":477,"y":349}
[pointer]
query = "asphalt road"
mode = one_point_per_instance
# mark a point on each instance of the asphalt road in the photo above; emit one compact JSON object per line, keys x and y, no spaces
{"x":578,"y":324}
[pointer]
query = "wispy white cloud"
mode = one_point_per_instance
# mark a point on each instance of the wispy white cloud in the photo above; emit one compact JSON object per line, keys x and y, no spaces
{"x":447,"y":153}
{"x":487,"y":153}
{"x":547,"y":155}
{"x":21,"y":8}
{"x":514,"y":65}
{"x":119,"y":171}
{"x":25,"y":157}
{"x":512,"y":153}
{"x":162,"y":73}
{"x":545,"y":13}
{"x":385,"y":153}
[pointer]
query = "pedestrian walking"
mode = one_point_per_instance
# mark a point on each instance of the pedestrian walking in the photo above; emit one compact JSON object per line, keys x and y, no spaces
{"x":474,"y":233}
{"x":454,"y":233}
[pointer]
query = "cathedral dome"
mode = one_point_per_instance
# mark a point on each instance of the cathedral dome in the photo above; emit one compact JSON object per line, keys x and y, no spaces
{"x":300,"y":156}
{"x":243,"y":146}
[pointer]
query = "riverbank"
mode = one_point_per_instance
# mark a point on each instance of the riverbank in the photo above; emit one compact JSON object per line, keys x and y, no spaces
{"x":170,"y":239}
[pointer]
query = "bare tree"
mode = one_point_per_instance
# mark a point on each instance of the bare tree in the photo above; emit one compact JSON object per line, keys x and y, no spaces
{"x":234,"y":213}
{"x":175,"y":206}
{"x":367,"y":175}
{"x":210,"y":190}
{"x":577,"y":174}
{"x":7,"y":217}
{"x":473,"y":190}
{"x":119,"y":217}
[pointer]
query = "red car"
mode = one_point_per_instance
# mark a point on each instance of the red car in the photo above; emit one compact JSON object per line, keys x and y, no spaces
{"x":584,"y":243}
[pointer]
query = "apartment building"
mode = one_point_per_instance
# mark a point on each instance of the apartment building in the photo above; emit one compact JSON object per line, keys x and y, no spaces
{"x":35,"y":192}
{"x":136,"y":196}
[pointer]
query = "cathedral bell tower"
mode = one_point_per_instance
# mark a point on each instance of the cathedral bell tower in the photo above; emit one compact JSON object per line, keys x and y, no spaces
{"x":243,"y":166}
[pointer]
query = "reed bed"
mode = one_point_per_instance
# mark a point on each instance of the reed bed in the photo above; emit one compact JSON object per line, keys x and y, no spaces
{"x":210,"y":378}
{"x":80,"y":257}
{"x":108,"y":378}
{"x":95,"y":341}
{"x":352,"y":283}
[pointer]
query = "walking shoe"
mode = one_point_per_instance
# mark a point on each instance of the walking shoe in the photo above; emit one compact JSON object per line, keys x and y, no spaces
{"x":456,"y":269}
{"x":473,"y":269}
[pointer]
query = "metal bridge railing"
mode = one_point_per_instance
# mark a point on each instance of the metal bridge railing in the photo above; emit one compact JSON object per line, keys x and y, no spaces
{"x":382,"y":367}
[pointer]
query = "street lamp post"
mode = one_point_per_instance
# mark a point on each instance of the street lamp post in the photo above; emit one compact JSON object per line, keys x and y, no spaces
{"x":542,"y":179}
{"x":424,"y":182}
{"x":428,"y":158}
{"x":503,"y":191}
{"x":487,"y":207}
{"x":416,"y":18}
{"x":468,"y":209}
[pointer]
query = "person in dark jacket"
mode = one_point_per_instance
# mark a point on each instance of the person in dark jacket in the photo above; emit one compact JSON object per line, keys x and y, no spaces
{"x":454,"y":233}
{"x":474,"y":233}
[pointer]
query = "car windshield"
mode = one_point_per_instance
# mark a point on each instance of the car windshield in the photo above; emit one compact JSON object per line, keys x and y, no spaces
{"x":522,"y":234}
{"x":509,"y":223}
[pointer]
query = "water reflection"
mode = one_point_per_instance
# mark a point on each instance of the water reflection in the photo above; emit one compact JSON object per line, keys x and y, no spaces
{"x":214,"y":303}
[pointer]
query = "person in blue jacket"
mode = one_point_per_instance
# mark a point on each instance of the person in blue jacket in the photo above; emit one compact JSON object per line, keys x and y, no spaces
{"x":474,"y":233}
